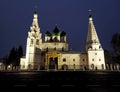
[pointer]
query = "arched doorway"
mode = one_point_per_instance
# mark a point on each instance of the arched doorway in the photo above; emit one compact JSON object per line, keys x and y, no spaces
{"x":102,"y":65}
{"x":64,"y":67}
{"x":52,"y":60}
{"x":92,"y":66}
{"x":53,"y":63}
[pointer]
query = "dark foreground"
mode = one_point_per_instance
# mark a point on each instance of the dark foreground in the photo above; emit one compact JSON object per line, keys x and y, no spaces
{"x":96,"y":81}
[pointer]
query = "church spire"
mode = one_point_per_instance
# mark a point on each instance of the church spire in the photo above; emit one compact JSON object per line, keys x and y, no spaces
{"x":92,"y":36}
{"x":35,"y":20}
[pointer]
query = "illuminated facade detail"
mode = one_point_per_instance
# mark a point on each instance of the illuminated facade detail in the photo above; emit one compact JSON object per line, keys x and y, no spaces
{"x":53,"y":52}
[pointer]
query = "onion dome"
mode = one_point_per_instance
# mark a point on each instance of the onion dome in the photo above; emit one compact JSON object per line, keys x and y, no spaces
{"x":56,"y":31}
{"x":47,"y":33}
{"x":63,"y":34}
{"x":35,"y":14}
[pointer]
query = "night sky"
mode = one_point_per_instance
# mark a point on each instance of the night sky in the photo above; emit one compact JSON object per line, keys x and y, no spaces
{"x":71,"y":16}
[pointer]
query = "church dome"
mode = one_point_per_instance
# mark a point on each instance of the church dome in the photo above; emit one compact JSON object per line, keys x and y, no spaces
{"x":35,"y":13}
{"x":63,"y":33}
{"x":47,"y":33}
{"x":56,"y":31}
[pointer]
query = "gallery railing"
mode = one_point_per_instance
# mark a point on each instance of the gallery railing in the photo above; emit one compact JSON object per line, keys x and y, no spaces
{"x":111,"y":67}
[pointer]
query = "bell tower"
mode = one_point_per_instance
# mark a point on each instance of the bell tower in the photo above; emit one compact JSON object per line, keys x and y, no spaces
{"x":34,"y":44}
{"x":94,"y":49}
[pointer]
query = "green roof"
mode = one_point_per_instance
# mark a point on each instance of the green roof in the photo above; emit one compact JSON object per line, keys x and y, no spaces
{"x":63,"y":33}
{"x":48,"y":33}
{"x":56,"y":31}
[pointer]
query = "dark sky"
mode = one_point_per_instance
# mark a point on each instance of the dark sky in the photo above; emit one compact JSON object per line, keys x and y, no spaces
{"x":71,"y":16}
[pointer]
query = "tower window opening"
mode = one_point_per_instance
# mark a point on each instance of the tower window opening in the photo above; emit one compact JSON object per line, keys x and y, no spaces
{"x":31,"y":41}
{"x":47,"y":49}
{"x":100,"y":47}
{"x":37,"y":42}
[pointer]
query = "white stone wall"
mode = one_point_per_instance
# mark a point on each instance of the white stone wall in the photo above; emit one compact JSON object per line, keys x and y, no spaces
{"x":72,"y":60}
{"x":22,"y":63}
{"x":30,"y":51}
{"x":96,"y":58}
{"x":83,"y":60}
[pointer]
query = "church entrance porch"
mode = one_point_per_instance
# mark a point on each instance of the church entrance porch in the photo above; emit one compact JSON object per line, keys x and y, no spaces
{"x":53,"y":63}
{"x":52,"y":60}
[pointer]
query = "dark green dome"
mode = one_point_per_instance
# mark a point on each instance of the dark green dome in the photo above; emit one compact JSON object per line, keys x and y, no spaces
{"x":48,"y":33}
{"x":63,"y":33}
{"x":35,"y":13}
{"x":56,"y":31}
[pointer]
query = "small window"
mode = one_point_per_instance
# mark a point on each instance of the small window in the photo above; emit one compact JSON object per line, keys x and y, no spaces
{"x":83,"y":59}
{"x":100,"y":47}
{"x":64,"y":59}
{"x":47,"y":49}
{"x":99,"y":59}
{"x":55,"y":48}
{"x":95,"y":53}
{"x":74,"y":66}
{"x":73,"y":59}
{"x":31,"y":41}
{"x":92,"y":59}
{"x":37,"y":42}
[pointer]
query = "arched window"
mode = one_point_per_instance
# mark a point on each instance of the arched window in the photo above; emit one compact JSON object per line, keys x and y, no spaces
{"x":62,"y":48}
{"x":99,"y":59}
{"x":74,"y":66}
{"x":47,"y":49}
{"x":55,"y":48}
{"x":100,"y":47}
{"x":83,"y":60}
{"x":37,"y":42}
{"x":64,"y":67}
{"x":31,"y":41}
{"x":73,"y":59}
{"x":64,"y":59}
{"x":55,"y":39}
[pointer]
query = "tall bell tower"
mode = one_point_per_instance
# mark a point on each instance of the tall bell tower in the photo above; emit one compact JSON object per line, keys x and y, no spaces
{"x":94,"y":49}
{"x":34,"y":44}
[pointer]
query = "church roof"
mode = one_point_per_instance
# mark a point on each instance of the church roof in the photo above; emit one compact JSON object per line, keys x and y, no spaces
{"x":56,"y":31}
{"x":35,"y":13}
{"x":92,"y":36}
{"x":63,"y":33}
{"x":48,"y":33}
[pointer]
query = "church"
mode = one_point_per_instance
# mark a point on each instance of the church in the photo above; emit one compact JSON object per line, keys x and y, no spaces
{"x":53,"y":52}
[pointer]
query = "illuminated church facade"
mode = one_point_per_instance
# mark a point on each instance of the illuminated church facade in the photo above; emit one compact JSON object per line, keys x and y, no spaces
{"x":54,"y":53}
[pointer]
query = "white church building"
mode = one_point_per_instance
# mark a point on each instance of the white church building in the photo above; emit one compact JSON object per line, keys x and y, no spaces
{"x":54,"y":53}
